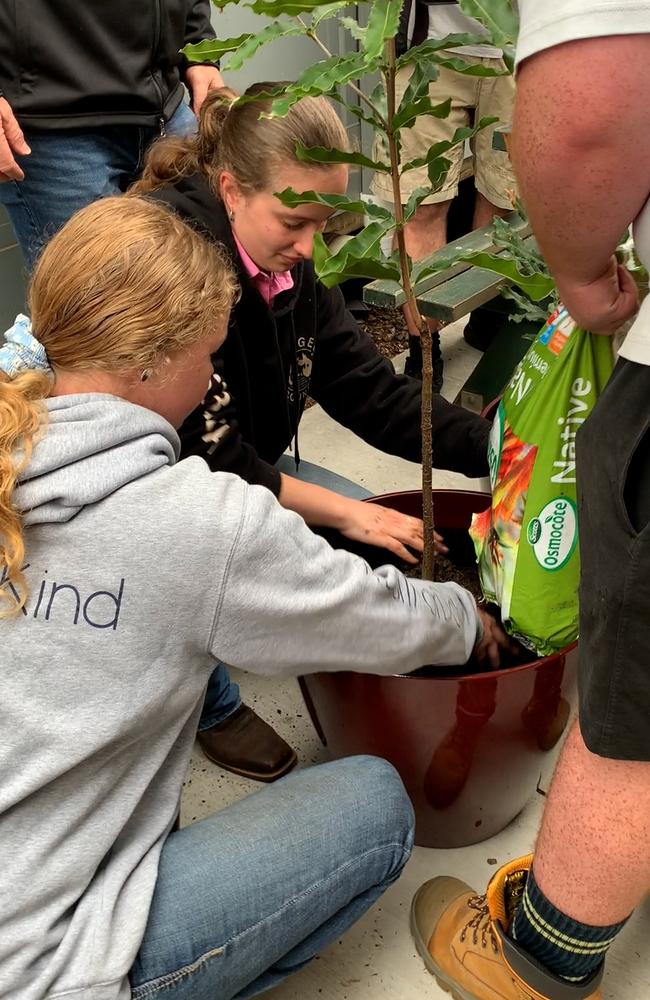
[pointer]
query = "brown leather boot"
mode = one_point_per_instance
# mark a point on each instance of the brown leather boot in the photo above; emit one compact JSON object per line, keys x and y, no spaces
{"x":247,"y":745}
{"x":463,"y":940}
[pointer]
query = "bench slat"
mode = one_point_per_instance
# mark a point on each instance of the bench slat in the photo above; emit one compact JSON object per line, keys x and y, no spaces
{"x":389,"y":293}
{"x":460,"y":295}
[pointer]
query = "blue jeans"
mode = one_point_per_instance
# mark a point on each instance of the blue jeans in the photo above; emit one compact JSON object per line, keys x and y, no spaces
{"x":70,"y":168}
{"x":222,"y":698}
{"x":250,"y":895}
{"x":222,"y":695}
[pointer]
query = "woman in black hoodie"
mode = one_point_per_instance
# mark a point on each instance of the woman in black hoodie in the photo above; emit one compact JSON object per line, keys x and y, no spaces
{"x":291,"y":337}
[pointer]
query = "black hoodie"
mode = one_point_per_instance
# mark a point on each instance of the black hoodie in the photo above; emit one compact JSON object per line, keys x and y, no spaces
{"x":87,"y":63}
{"x":307,"y":343}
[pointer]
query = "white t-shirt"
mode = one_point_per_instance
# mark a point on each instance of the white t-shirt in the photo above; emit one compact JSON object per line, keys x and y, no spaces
{"x":544,"y":25}
{"x":448,"y":19}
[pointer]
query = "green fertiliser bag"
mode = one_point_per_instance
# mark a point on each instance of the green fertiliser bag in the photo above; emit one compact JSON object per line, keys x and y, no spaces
{"x":526,"y":542}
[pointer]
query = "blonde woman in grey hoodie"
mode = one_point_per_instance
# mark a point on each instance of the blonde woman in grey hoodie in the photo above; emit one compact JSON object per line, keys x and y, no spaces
{"x":109,"y":634}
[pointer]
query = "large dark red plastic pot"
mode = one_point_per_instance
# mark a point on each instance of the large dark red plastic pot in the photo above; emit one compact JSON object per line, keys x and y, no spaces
{"x":469,"y":747}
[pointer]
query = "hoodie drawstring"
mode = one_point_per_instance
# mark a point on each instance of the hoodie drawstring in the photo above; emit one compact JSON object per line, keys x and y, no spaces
{"x":296,"y":397}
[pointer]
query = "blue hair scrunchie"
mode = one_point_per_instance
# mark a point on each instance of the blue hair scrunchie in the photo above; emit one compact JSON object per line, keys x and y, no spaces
{"x":22,"y":351}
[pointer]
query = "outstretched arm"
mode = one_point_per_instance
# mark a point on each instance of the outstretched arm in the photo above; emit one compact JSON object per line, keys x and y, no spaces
{"x":581,"y":148}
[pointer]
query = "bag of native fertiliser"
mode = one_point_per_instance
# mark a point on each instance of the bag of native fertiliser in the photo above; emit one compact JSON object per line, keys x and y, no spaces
{"x":526,"y":542}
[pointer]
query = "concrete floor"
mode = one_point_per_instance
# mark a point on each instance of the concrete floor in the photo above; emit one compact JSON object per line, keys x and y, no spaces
{"x":376,"y":959}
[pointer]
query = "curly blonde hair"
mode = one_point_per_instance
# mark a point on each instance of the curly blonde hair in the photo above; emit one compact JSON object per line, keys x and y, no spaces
{"x":124,"y":285}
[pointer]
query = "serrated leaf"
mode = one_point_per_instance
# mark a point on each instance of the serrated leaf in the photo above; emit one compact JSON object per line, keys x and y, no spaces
{"x":415,"y":199}
{"x":407,"y":114}
{"x":508,"y":52}
{"x":362,"y":267}
{"x":383,"y":22}
{"x":536,"y":286}
{"x":328,"y":10}
{"x":359,"y":257}
{"x":355,"y":110}
{"x":340,"y":203}
{"x":319,"y":154}
{"x":445,"y":257}
{"x":379,"y":99}
{"x":320,"y":252}
{"x":322,"y":78}
{"x":438,"y":148}
{"x":425,"y":72}
{"x":213,"y":49}
{"x":353,"y":27}
{"x":280,"y":29}
{"x":432,"y":46}
{"x":526,"y":310}
{"x":275,"y":8}
{"x":460,"y":65}
{"x":498,"y":16}
{"x":437,"y":171}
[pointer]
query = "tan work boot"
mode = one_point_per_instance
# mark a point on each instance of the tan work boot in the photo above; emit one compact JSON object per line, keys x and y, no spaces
{"x":463,"y":940}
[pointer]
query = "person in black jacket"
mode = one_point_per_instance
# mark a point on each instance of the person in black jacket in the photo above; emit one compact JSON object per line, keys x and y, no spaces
{"x":291,"y":337}
{"x":84,"y":88}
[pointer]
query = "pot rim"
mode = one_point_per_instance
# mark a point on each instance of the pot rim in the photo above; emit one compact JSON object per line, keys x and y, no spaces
{"x":542,"y":661}
{"x":539,"y":662}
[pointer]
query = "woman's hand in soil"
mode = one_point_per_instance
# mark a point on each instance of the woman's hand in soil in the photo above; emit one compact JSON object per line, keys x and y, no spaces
{"x":494,"y":643}
{"x":387,"y":529}
{"x":363,"y":522}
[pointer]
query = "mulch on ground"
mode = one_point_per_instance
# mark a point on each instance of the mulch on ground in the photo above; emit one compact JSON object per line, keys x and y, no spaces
{"x":388,"y":330}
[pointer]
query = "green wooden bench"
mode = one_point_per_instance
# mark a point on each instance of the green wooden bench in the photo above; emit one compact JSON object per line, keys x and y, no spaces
{"x":455,"y":292}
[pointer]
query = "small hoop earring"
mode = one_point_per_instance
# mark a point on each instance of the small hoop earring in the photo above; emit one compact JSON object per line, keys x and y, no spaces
{"x":146,"y":375}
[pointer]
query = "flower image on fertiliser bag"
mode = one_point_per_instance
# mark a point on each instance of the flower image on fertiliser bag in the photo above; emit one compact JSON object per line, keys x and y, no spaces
{"x":526,"y":542}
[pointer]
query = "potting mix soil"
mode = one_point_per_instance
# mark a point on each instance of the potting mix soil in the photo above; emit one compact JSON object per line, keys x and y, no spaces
{"x":526,"y":542}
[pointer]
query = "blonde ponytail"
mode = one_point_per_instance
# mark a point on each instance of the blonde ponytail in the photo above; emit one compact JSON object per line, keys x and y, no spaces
{"x":122,"y":287}
{"x":22,"y":415}
{"x":173,"y":157}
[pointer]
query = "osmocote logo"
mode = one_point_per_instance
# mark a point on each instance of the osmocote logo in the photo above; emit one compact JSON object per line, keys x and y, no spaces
{"x":553,"y":534}
{"x":495,"y":444}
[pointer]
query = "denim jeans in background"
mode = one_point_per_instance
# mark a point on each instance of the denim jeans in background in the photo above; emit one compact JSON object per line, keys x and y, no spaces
{"x":248,"y":896}
{"x":68,"y":169}
{"x":222,"y":698}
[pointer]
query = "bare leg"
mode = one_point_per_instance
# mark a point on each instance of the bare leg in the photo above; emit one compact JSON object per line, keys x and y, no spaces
{"x":485,"y":211}
{"x":424,"y":234}
{"x":427,"y":232}
{"x":593,"y":854}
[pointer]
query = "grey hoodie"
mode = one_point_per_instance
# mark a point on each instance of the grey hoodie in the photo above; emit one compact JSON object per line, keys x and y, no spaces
{"x":105,"y":670}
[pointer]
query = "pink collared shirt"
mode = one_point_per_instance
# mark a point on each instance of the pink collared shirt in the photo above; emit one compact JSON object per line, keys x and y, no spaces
{"x":268,"y":284}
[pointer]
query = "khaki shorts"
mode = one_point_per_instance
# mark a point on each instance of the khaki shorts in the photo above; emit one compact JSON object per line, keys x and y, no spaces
{"x":472,"y":98}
